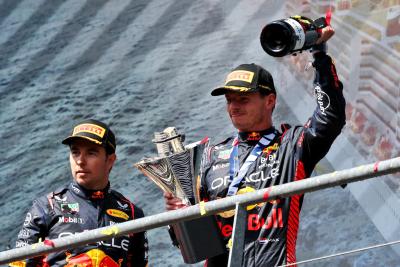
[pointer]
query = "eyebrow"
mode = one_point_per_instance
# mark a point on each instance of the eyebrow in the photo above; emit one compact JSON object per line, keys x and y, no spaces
{"x":74,"y":147}
{"x":94,"y":149}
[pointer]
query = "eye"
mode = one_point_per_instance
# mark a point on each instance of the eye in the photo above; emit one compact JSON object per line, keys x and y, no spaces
{"x":74,"y":152}
{"x":93,"y":152}
{"x":244,"y":100}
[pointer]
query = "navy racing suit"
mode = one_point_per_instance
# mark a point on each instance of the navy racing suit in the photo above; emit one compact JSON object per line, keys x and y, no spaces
{"x":73,"y":209}
{"x":271,"y":228}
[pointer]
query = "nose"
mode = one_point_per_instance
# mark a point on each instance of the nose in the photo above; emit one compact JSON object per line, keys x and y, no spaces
{"x":233,"y":106}
{"x":80,"y":159}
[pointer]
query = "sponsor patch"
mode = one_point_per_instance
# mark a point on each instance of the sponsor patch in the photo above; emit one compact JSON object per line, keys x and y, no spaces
{"x":123,"y":206}
{"x":76,"y":189}
{"x":263,"y":240}
{"x":240,"y":75}
{"x":323,"y":99}
{"x":66,"y":219}
{"x":93,"y":257}
{"x":269,"y":149}
{"x":71,"y":208}
{"x":274,"y":220}
{"x":226,"y":230}
{"x":89,"y":128}
{"x":17,"y":264}
{"x":254,"y":136}
{"x":118,"y":214}
{"x":220,"y":166}
{"x":23,"y":233}
{"x":97,"y":195}
{"x":225,"y":154}
{"x":116,"y":243}
{"x":21,"y":243}
{"x":28,"y":219}
{"x":59,"y":199}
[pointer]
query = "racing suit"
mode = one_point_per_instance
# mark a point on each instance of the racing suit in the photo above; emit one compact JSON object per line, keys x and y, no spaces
{"x":271,"y":232}
{"x":73,"y":209}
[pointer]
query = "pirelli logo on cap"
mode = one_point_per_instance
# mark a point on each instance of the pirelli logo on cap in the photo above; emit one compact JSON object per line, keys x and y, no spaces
{"x":89,"y":128}
{"x":240,"y":75}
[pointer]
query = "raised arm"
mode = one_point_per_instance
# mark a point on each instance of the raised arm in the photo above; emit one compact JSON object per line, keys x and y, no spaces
{"x":328,"y":118}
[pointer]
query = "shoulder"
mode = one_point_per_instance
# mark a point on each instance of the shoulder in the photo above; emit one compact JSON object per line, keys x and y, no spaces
{"x":136,"y":210}
{"x":118,"y":196}
{"x":222,"y":145}
{"x":57,"y":193}
{"x":290,"y":132}
{"x":41,"y":201}
{"x":225,"y":141}
{"x":217,"y":150}
{"x":139,"y":213}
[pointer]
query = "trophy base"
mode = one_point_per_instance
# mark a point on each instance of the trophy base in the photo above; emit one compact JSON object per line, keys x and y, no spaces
{"x":199,"y":239}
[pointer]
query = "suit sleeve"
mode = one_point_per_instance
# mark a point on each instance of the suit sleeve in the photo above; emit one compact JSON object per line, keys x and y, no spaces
{"x":328,"y":118}
{"x":139,"y":245}
{"x":34,"y":230}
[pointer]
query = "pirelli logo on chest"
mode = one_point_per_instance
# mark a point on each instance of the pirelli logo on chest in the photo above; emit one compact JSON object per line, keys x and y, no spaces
{"x":89,"y":128}
{"x":118,"y":214}
{"x":240,"y":75}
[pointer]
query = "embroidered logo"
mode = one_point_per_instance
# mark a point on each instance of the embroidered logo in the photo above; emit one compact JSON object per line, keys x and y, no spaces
{"x":225,"y":154}
{"x":71,"y":208}
{"x":117,"y":213}
{"x":123,"y":206}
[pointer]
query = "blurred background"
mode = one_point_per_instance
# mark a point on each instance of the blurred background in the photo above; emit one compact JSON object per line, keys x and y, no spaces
{"x":143,"y":65}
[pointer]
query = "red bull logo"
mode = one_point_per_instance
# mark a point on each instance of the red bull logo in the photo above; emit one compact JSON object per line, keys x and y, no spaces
{"x":92,"y":258}
{"x":255,"y":222}
{"x":254,"y":136}
{"x":97,"y":195}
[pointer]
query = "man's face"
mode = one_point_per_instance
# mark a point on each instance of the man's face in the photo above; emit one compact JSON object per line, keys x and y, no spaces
{"x":90,"y":165}
{"x":250,"y":111}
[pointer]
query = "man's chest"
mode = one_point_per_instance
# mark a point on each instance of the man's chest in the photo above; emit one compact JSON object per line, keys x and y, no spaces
{"x":261,"y":172}
{"x":73,"y":215}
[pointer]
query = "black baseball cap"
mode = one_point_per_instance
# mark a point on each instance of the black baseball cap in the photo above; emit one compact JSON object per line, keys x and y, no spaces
{"x":247,"y":78}
{"x":94,"y":131}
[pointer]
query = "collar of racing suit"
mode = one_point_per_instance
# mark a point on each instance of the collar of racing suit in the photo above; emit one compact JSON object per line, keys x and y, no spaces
{"x":254,"y":137}
{"x":89,"y":194}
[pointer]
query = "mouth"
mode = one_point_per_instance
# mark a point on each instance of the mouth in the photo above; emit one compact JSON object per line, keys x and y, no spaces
{"x":233,"y":115}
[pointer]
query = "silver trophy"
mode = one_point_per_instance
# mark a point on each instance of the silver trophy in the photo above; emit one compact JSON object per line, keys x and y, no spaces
{"x":176,"y":169}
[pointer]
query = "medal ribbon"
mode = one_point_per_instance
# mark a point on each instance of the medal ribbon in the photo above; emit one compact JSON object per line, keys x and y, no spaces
{"x":236,"y":176}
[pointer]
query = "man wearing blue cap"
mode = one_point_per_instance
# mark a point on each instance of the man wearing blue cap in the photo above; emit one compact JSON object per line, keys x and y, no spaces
{"x":86,"y":203}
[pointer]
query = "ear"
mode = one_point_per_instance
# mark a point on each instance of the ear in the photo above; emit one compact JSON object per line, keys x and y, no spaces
{"x":111,"y":159}
{"x":270,"y":101}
